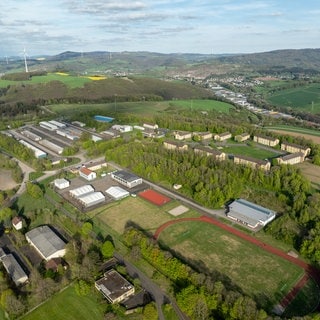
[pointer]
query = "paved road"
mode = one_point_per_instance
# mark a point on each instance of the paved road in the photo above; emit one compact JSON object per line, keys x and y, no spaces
{"x":159,"y":296}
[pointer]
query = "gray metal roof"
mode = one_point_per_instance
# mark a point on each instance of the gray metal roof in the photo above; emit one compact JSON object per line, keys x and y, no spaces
{"x":45,"y":240}
{"x":14,"y":269}
{"x":249,"y":212}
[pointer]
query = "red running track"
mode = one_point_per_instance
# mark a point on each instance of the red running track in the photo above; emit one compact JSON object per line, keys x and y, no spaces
{"x":309,"y":270}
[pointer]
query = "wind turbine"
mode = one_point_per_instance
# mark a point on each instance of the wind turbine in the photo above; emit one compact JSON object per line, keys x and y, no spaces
{"x":25,"y":59}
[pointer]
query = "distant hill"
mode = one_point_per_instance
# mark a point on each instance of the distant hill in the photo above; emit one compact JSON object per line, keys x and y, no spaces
{"x":159,"y":65}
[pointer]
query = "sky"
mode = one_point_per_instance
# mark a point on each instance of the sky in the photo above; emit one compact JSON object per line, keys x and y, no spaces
{"x":48,"y":27}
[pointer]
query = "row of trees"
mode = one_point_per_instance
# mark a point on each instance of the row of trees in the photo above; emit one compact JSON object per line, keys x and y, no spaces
{"x":198,"y":295}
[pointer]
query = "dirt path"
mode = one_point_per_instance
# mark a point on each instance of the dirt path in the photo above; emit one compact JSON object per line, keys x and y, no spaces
{"x":310,"y":271}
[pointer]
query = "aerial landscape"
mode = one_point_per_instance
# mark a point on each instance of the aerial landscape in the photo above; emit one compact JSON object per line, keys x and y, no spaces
{"x":160,"y":160}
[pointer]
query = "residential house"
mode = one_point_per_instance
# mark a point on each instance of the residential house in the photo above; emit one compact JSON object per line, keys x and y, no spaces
{"x":222,"y":136}
{"x":216,"y":154}
{"x":203,"y":135}
{"x":87,"y":174}
{"x":182,"y":135}
{"x":294,"y":148}
{"x":242,"y":137}
{"x":175,"y":145}
{"x":252,"y":162}
{"x":267,"y":141}
{"x":292,"y":158}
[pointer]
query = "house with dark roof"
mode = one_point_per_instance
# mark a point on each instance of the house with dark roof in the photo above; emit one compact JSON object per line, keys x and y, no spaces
{"x":294,"y":148}
{"x":252,"y":162}
{"x":292,"y":158}
{"x":114,"y":287}
{"x":126,"y":178}
{"x":209,"y":152}
{"x":175,"y":145}
{"x":222,"y":136}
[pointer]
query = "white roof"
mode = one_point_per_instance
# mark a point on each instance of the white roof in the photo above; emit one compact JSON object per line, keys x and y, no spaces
{"x":78,"y":192}
{"x":61,"y":182}
{"x":14,"y":269}
{"x":91,"y":198}
{"x":45,"y":240}
{"x":117,"y":192}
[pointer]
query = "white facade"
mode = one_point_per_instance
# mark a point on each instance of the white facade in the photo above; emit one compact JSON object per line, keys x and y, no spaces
{"x":61,"y":183}
{"x":117,"y":193}
{"x":87,"y":174}
{"x":91,"y":199}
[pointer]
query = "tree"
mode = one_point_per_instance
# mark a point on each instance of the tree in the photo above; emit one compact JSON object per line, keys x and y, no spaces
{"x":150,"y":312}
{"x":86,"y":229}
{"x":82,"y":288}
{"x":107,"y":249}
{"x":6,"y":215}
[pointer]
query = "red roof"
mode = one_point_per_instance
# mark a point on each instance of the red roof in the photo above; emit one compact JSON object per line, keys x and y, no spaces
{"x":85,"y":171}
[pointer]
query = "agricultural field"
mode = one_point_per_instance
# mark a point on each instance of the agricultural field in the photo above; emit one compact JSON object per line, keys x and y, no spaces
{"x":308,"y":134}
{"x":143,"y":107}
{"x":69,"y":80}
{"x":144,"y":214}
{"x":250,"y":151}
{"x":306,"y":98}
{"x":312,"y":172}
{"x":68,"y":305}
{"x":259,"y":274}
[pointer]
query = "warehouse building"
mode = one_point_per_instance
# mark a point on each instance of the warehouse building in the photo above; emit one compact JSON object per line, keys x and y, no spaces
{"x":51,"y":146}
{"x":39,"y":154}
{"x":13,"y":268}
{"x":91,"y":199}
{"x":81,"y":191}
{"x":125,"y":178}
{"x":250,"y":214}
{"x":31,"y":135}
{"x":48,"y":126}
{"x":114,"y":287}
{"x":117,"y":193}
{"x":46,"y":242}
{"x":57,"y":124}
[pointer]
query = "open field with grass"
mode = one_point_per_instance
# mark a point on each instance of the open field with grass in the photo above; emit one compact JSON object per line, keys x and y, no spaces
{"x":69,"y":80}
{"x":312,"y":172}
{"x":261,"y":275}
{"x":305,"y":98}
{"x":68,"y":305}
{"x":7,"y":182}
{"x":148,"y":216}
{"x":142,"y":107}
{"x":308,"y":134}
{"x":250,"y":151}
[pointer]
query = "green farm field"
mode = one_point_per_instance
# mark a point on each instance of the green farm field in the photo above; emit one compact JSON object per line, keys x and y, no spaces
{"x":146,"y":215}
{"x":305,"y":98}
{"x":69,"y":80}
{"x":250,"y":151}
{"x":68,"y":305}
{"x":142,"y":107}
{"x":261,"y":275}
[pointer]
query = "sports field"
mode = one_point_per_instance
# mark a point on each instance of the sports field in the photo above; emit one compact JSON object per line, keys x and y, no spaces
{"x":154,"y":197}
{"x":250,"y":151}
{"x":148,"y":216}
{"x":263,"y":276}
{"x":68,"y":305}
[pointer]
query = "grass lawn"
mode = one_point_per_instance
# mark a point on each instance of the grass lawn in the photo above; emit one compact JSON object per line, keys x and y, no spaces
{"x":250,"y":151}
{"x":148,"y":216}
{"x":305,"y":302}
{"x":261,"y":275}
{"x":203,"y":105}
{"x":68,"y":305}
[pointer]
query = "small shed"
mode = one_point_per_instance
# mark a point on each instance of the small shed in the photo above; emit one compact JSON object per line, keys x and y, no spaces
{"x":61,"y":183}
{"x":17,"y":223}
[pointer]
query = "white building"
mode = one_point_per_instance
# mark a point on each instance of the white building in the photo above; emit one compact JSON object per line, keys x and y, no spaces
{"x":91,"y":199}
{"x":87,"y":174}
{"x":80,"y":191}
{"x":46,"y":242}
{"x":61,"y":183}
{"x":117,"y":193}
{"x":125,"y":178}
{"x":13,"y":268}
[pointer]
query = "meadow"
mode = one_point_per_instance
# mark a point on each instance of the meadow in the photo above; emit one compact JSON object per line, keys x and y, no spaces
{"x":70,"y":80}
{"x":250,"y":151}
{"x":259,"y":274}
{"x":306,"y":98}
{"x":68,"y":305}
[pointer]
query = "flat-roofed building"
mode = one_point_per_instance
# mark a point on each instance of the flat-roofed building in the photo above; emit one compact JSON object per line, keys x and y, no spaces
{"x":126,"y":178}
{"x":14,"y":269}
{"x":267,"y":141}
{"x":252,"y":162}
{"x":216,"y":154}
{"x":294,"y":148}
{"x":182,"y":135}
{"x":175,"y":145}
{"x":250,"y":214}
{"x":61,"y":183}
{"x":46,"y":242}
{"x":292,"y":158}
{"x":114,"y":287}
{"x":222,"y":136}
{"x":242,"y":137}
